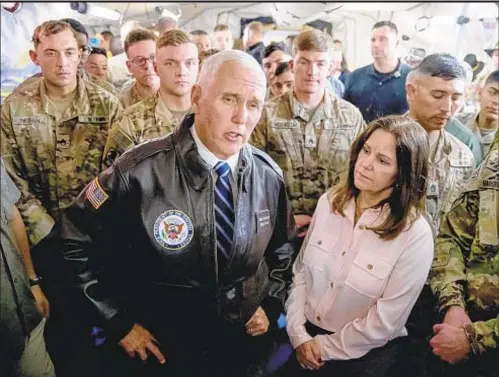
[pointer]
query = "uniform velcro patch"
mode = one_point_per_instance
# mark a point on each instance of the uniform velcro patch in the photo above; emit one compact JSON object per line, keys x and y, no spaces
{"x":95,"y":194}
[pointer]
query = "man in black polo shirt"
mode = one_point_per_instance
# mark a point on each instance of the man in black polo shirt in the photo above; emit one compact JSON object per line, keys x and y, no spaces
{"x":253,"y":36}
{"x":378,"y":89}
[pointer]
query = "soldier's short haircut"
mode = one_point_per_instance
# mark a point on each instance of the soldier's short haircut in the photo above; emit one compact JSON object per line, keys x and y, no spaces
{"x":443,"y":65}
{"x":282,"y":68}
{"x":493,"y":77}
{"x":76,"y":25}
{"x":174,"y":37}
{"x":221,"y":27}
{"x":98,"y":51}
{"x":50,"y":28}
{"x":313,"y":40}
{"x":409,"y":188}
{"x":390,"y":24}
{"x":256,"y":26}
{"x":199,"y":32}
{"x":138,"y":35}
{"x":274,"y":46}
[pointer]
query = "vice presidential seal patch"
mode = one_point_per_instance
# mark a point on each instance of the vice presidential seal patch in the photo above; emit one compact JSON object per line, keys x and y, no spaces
{"x":173,"y":230}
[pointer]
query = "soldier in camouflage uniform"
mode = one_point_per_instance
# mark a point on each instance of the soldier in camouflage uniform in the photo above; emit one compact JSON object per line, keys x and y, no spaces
{"x":177,"y":67}
{"x":434,"y":92}
{"x":140,"y":47}
{"x":485,"y":123}
{"x":464,"y":275}
{"x":308,"y":131}
{"x":52,"y":154}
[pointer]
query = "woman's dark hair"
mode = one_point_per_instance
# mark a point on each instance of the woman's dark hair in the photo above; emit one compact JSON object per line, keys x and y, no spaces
{"x":409,"y":192}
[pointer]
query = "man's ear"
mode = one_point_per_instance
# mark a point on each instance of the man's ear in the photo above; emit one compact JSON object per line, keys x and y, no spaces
{"x":292,"y":66}
{"x":195,"y":98}
{"x":410,"y":90}
{"x":34,"y":57}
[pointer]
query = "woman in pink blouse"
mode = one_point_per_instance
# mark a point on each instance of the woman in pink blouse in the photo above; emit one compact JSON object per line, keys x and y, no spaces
{"x":365,"y":259}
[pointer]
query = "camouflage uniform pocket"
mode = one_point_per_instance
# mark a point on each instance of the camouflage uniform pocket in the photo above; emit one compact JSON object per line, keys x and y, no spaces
{"x":442,"y":256}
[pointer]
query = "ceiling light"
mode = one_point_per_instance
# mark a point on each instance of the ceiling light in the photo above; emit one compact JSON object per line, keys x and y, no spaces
{"x":102,"y":12}
{"x":170,"y":14}
{"x":443,"y":20}
{"x":422,"y":24}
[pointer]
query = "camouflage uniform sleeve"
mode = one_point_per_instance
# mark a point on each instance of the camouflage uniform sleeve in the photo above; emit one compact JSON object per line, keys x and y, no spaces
{"x":483,"y":335}
{"x":38,"y":222}
{"x":453,"y":243}
{"x":119,"y":140}
{"x":259,"y":135}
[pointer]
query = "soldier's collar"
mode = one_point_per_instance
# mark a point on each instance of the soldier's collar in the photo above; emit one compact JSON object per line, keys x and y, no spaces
{"x":323,"y":110}
{"x":80,"y":104}
{"x":447,"y":145}
{"x":161,"y":111}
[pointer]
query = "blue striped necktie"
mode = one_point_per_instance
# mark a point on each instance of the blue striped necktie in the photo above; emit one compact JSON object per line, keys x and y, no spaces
{"x":224,"y":212}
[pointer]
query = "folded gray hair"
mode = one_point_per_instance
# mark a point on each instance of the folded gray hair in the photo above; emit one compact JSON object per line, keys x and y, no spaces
{"x":214,"y":62}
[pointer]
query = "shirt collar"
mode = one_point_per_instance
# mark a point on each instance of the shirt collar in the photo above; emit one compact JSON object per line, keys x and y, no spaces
{"x":323,"y":111}
{"x":79,"y":106}
{"x":163,"y":112}
{"x":395,"y":73}
{"x":371,"y":216}
{"x":208,"y":156}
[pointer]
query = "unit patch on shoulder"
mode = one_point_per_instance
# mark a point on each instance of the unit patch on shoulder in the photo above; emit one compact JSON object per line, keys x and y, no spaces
{"x":173,"y":230}
{"x":95,"y":194}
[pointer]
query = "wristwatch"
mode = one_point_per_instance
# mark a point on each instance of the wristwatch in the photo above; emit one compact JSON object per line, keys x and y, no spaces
{"x":35,"y":281}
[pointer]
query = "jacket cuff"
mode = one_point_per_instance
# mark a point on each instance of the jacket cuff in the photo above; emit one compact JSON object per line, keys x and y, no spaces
{"x":273,"y":309}
{"x":481,"y":335}
{"x":451,"y":297}
{"x":119,"y":325}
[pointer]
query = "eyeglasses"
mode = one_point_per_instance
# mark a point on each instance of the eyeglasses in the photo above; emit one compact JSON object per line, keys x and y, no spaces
{"x":141,"y":60}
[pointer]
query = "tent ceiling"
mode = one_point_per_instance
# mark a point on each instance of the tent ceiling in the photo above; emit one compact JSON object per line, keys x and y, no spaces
{"x":145,"y":11}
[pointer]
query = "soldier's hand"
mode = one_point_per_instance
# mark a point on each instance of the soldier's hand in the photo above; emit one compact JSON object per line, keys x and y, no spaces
{"x":308,"y":355}
{"x":456,"y":316}
{"x":302,"y":223}
{"x":258,"y":324}
{"x":450,"y":343}
{"x":139,"y":341}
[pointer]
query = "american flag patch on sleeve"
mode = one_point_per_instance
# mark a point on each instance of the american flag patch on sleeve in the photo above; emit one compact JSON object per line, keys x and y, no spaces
{"x":95,"y":194}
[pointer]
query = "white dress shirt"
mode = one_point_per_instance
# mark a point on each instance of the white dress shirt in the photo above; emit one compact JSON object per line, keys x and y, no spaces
{"x":210,"y":158}
{"x":349,"y":281}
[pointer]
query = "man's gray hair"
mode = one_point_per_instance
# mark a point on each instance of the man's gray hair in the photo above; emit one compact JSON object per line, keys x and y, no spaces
{"x":214,"y":62}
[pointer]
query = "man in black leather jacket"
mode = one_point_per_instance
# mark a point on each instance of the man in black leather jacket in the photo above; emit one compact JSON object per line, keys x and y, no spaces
{"x":143,"y":238}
